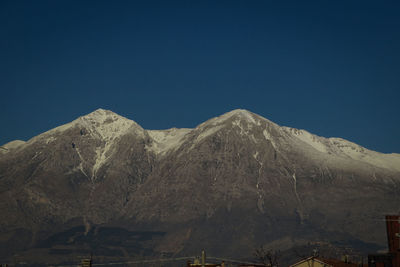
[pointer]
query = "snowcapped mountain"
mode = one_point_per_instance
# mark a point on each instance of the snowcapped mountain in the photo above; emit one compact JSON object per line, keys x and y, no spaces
{"x":108,"y":127}
{"x":231,"y":184}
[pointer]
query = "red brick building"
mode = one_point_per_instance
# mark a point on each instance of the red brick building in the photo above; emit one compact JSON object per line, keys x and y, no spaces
{"x":392,"y":258}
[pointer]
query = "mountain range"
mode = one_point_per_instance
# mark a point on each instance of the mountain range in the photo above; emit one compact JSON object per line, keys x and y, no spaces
{"x":102,"y":184}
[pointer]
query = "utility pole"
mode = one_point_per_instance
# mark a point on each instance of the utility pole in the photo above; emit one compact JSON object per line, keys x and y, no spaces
{"x":87,"y":262}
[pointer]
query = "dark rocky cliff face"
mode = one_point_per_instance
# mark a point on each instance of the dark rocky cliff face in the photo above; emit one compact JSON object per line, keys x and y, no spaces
{"x":104,"y":184}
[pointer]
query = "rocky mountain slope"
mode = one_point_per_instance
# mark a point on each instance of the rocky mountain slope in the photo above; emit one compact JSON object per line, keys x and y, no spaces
{"x":102,"y":183}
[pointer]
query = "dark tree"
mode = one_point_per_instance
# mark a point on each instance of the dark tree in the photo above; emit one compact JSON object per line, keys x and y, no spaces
{"x":268,"y":257}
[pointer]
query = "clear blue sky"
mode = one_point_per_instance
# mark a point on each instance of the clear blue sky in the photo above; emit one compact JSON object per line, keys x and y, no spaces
{"x":330,"y":67}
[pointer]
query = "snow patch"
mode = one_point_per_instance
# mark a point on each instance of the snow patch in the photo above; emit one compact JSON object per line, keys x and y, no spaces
{"x":295,"y":186}
{"x":101,"y":158}
{"x":36,"y":154}
{"x":80,"y":167}
{"x":238,"y":124}
{"x":255,"y":155}
{"x":260,"y":202}
{"x":50,"y":139}
{"x":356,"y":152}
{"x":269,"y":137}
{"x":310,"y":139}
{"x":166,"y":140}
{"x":208,"y":132}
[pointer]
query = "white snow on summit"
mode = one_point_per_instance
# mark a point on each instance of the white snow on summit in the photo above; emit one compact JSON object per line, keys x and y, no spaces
{"x":108,"y":127}
{"x":338,"y":147}
{"x":356,"y":152}
{"x":101,"y":124}
{"x":213,"y":125}
{"x":241,"y":113}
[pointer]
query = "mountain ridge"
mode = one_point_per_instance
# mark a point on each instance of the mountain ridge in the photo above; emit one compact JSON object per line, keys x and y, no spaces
{"x":100,"y":115}
{"x":234,"y":177}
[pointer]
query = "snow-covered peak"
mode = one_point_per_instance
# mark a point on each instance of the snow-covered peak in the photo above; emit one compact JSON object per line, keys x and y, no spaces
{"x":240,"y":121}
{"x":101,"y":115}
{"x":101,"y":123}
{"x":108,"y":127}
{"x":234,"y":117}
{"x":240,"y":114}
{"x":107,"y":124}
